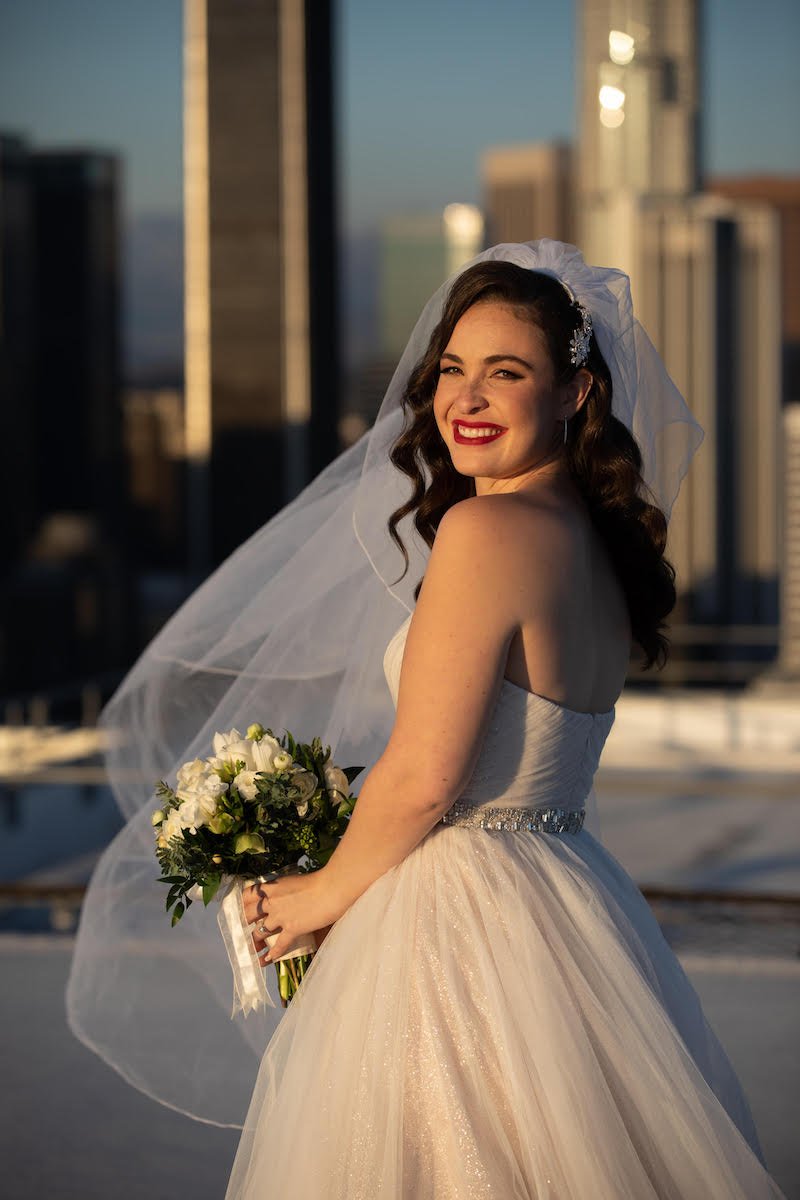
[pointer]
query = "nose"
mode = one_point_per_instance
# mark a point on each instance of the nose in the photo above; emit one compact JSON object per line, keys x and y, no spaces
{"x":469,"y":398}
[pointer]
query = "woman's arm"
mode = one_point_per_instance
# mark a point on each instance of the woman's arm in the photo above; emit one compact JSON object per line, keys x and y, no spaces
{"x":453,"y":667}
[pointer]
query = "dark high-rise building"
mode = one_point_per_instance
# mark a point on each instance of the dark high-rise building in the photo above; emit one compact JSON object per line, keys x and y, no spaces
{"x":782,"y":194}
{"x":64,"y":605}
{"x":77,"y":373}
{"x":262,"y":372}
{"x":18,"y":466}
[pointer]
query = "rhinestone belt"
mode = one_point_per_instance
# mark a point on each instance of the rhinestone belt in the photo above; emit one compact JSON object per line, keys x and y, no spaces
{"x":537,"y":820}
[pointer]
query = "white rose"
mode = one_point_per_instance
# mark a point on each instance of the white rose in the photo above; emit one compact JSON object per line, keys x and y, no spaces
{"x":245,"y":783}
{"x":336,"y":783}
{"x":263,"y":754}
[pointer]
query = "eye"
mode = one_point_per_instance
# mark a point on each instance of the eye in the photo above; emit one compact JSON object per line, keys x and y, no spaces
{"x":448,"y":370}
{"x":505,"y":373}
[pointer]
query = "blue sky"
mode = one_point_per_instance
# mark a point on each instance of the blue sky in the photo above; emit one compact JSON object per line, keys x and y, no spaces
{"x":424,"y":85}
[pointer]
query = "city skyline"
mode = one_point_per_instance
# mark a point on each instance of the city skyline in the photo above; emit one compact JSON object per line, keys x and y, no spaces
{"x":417,"y":92}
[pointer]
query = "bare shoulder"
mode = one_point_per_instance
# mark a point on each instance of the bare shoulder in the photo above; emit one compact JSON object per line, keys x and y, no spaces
{"x":531,"y":544}
{"x":502,"y":521}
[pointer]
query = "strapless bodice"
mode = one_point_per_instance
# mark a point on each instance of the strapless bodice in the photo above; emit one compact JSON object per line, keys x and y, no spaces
{"x":537,"y":753}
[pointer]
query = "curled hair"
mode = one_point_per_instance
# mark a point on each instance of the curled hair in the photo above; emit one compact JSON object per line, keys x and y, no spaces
{"x":602,"y":455}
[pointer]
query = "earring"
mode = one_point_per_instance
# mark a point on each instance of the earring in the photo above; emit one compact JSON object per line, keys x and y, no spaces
{"x":565,"y":431}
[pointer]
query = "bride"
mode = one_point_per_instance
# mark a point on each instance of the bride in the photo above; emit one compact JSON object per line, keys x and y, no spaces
{"x":493,"y":1010}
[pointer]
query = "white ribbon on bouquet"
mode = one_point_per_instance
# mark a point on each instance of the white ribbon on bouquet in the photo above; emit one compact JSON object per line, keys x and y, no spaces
{"x":249,"y":984}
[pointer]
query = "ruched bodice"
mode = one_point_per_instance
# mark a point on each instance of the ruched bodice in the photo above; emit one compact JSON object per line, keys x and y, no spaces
{"x":536,"y":753}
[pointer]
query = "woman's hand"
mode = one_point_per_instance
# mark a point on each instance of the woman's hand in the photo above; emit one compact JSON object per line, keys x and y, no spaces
{"x":292,"y":905}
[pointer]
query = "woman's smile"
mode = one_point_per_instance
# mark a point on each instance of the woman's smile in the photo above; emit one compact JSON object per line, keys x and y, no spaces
{"x":468,"y":432}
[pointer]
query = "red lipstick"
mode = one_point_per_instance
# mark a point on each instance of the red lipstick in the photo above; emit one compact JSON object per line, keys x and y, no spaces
{"x":465,"y":440}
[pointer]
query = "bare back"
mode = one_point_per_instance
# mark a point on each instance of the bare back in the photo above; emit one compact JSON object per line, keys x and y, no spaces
{"x":575,"y":652}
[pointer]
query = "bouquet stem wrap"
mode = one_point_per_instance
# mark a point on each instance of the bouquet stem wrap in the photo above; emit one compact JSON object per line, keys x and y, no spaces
{"x":249,"y":985}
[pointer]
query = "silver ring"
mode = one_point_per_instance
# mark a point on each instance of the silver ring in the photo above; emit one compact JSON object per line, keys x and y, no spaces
{"x":262,"y":929}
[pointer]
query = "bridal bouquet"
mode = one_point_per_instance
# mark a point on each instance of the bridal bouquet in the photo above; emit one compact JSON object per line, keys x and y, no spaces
{"x":258,"y":807}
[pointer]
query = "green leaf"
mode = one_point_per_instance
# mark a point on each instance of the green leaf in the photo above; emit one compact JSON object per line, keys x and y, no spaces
{"x":210,"y":888}
{"x":352,"y":773}
{"x":178,"y":913}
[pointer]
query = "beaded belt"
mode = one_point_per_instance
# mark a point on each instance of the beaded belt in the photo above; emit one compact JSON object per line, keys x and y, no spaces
{"x":537,"y":820}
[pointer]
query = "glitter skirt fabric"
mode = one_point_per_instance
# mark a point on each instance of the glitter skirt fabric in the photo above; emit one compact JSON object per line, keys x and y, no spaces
{"x":498,"y":1016}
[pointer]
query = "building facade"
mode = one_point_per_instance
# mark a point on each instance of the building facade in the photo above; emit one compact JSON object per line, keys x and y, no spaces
{"x":262,"y":369}
{"x":529,"y":192}
{"x":705,"y":280}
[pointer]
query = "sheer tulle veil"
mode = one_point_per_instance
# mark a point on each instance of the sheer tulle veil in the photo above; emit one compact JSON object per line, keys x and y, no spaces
{"x":290,"y":631}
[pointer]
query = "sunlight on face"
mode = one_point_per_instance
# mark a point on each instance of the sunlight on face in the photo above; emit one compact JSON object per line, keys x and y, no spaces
{"x":496,"y":405}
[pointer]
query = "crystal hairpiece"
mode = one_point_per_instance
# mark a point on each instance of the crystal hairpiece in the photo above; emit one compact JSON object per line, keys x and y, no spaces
{"x":579,"y":342}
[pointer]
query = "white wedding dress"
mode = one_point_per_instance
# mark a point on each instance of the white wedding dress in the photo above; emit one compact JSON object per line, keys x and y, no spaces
{"x":500,"y":1016}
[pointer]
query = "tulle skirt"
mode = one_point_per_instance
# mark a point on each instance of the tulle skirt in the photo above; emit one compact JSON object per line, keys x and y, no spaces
{"x":498,"y":1016}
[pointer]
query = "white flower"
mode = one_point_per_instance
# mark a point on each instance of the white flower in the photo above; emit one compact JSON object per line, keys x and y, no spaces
{"x":336,"y":783}
{"x":191,"y":771}
{"x":231,"y":747}
{"x":221,"y":740}
{"x":200,"y":783}
{"x":282,"y":761}
{"x":171,"y":828}
{"x":198,"y":810}
{"x":263,"y":754}
{"x":245,"y":783}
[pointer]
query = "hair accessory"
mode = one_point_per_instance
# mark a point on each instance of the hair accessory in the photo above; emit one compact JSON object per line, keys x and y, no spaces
{"x":581,"y":338}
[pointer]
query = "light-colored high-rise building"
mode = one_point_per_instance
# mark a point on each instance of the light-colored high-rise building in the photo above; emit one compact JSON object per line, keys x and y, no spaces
{"x":528,"y":192}
{"x":639,"y":108}
{"x":261,"y":335}
{"x":705,"y":279}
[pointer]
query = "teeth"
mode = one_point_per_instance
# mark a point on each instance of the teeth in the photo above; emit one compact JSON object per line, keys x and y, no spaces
{"x":475,"y":433}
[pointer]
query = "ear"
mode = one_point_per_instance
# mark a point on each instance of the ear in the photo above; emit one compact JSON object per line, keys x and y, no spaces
{"x":576,"y":392}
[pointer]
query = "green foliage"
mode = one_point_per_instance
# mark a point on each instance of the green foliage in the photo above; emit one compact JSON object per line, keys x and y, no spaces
{"x":201,"y":856}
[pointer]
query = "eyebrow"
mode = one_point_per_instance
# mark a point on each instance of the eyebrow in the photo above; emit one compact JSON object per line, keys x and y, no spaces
{"x":493,"y":358}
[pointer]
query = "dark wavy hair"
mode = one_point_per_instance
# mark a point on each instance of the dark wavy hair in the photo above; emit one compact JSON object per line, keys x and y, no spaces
{"x":603,"y":457}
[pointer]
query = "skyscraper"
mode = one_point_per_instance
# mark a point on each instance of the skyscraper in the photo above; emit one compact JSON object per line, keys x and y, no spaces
{"x":782,"y":194}
{"x":261,"y":328}
{"x":704,"y":278}
{"x":529,"y":192}
{"x":76,"y":230}
{"x":18,"y":470}
{"x":65,"y":607}
{"x":639,"y":112}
